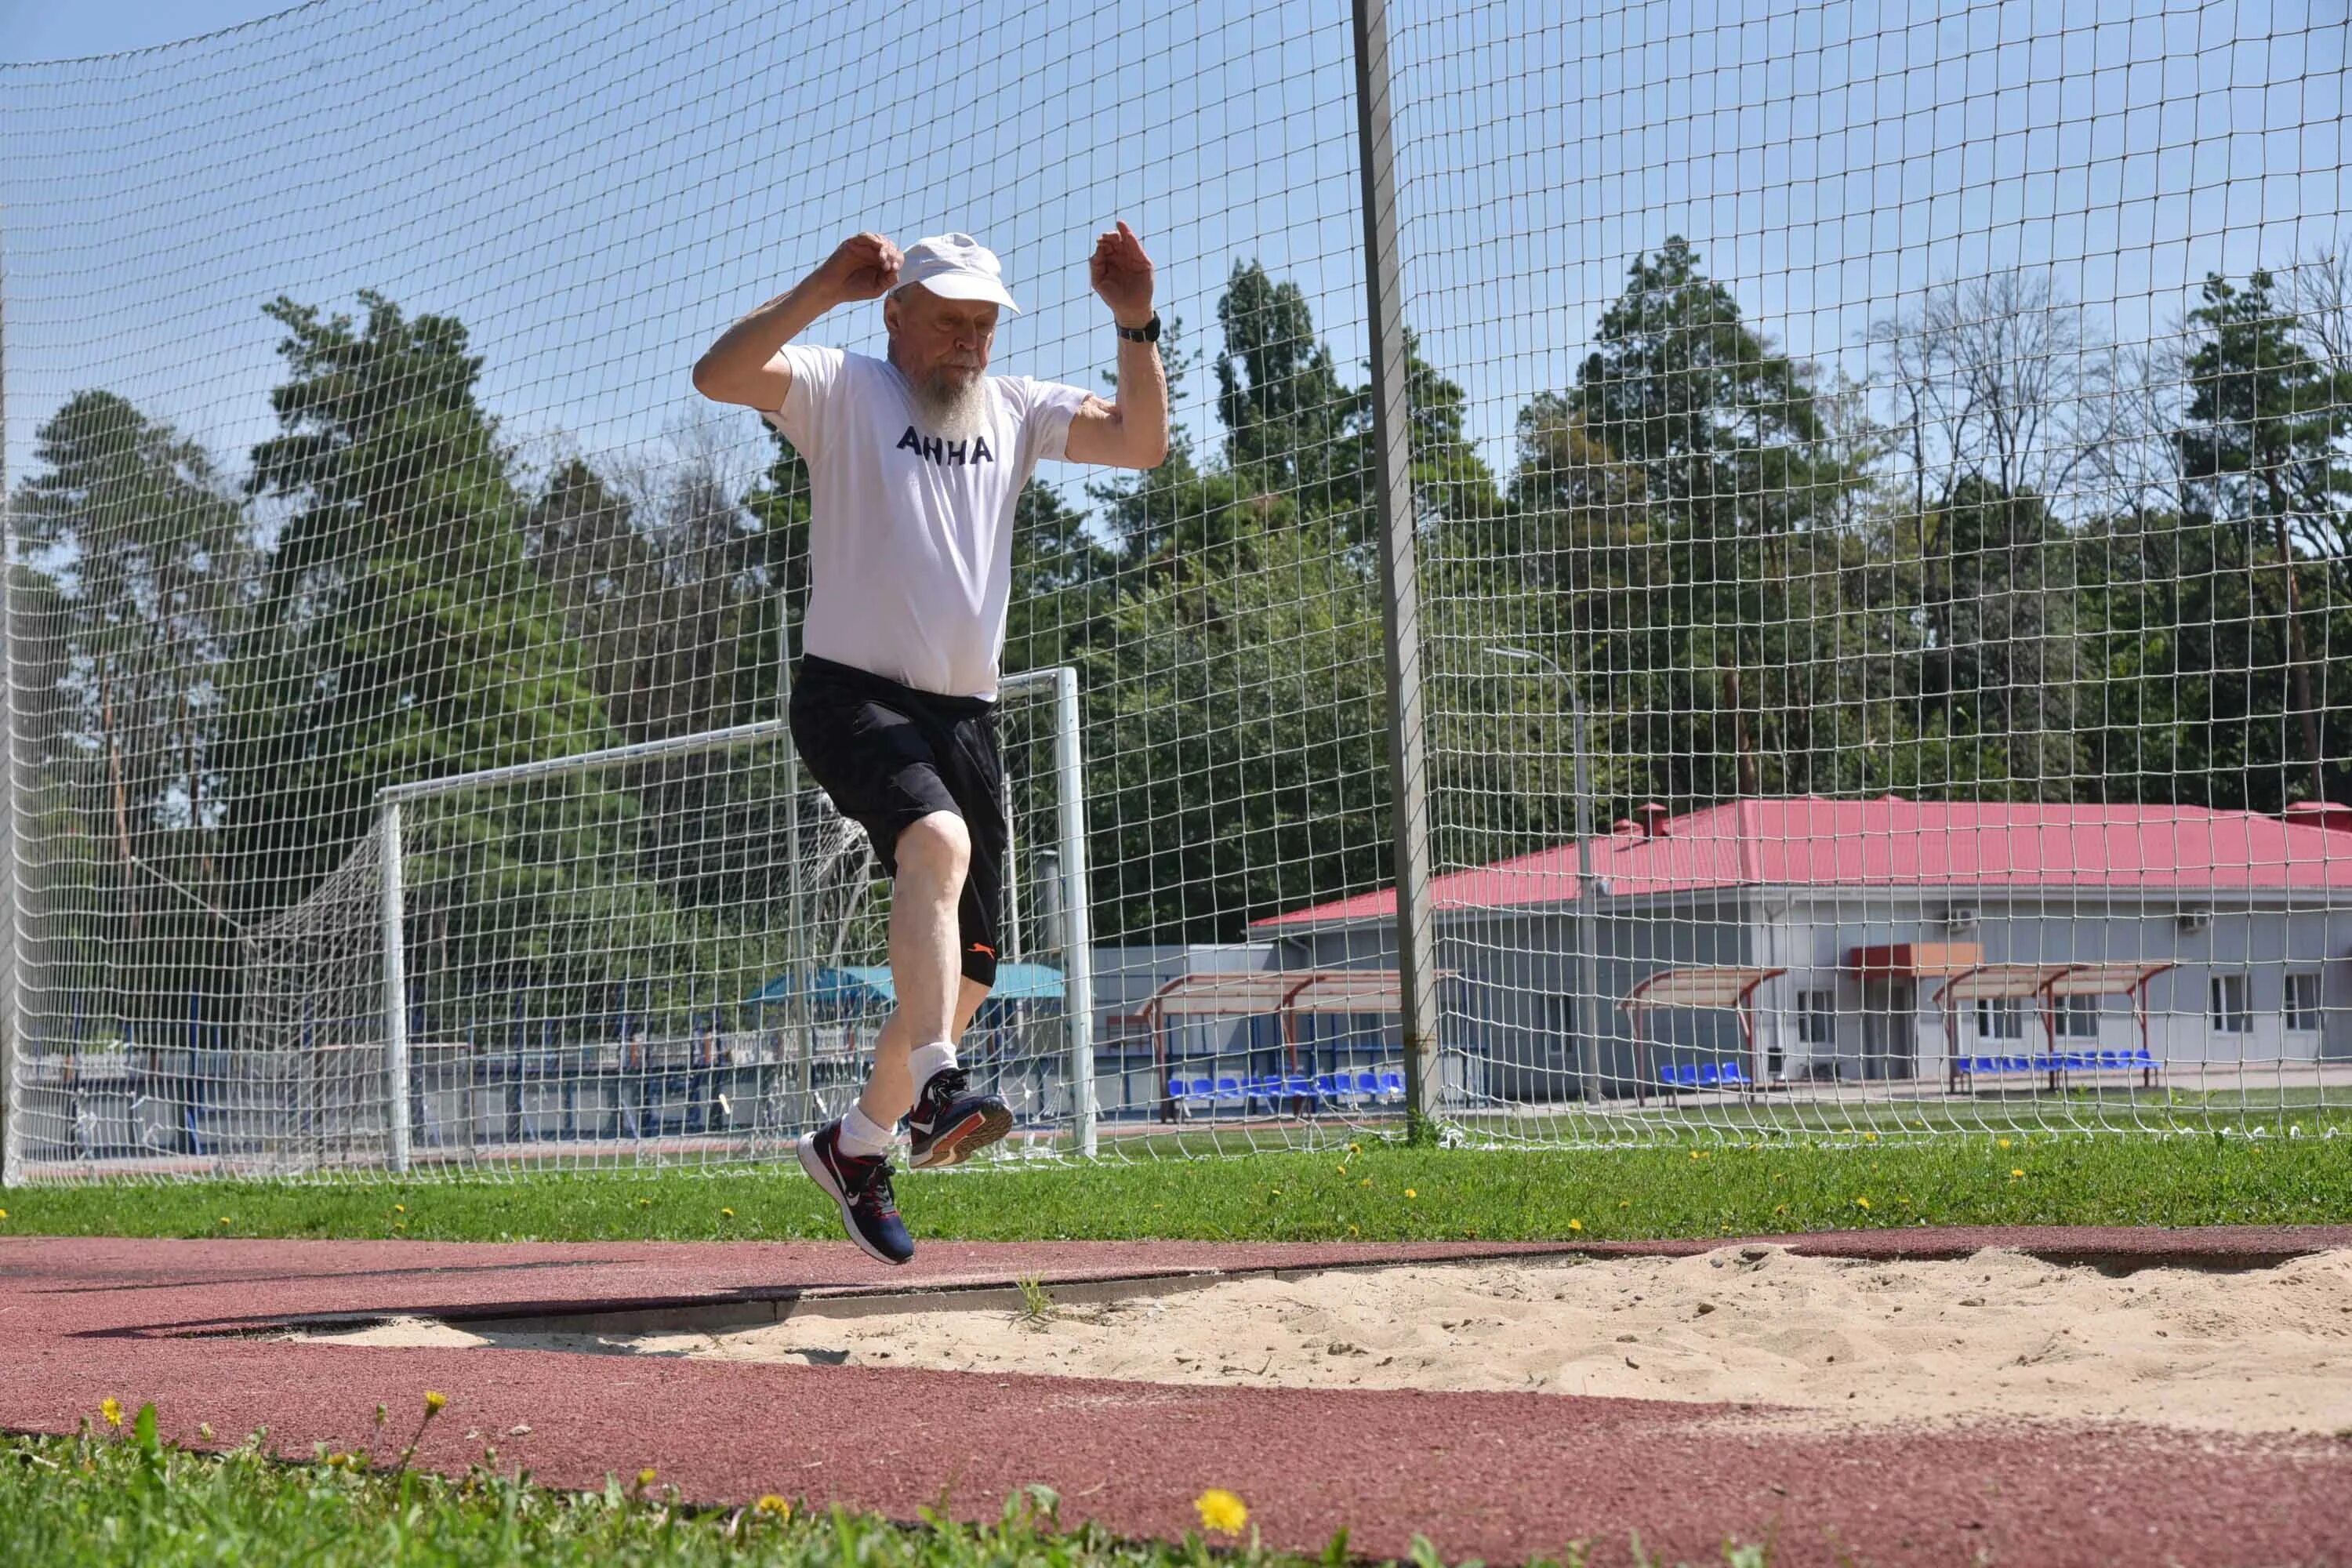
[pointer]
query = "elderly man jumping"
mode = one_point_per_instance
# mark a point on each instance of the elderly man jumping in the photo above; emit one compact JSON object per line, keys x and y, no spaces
{"x":916,"y":463}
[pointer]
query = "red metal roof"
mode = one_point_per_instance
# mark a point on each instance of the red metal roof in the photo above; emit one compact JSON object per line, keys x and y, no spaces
{"x":1895,"y":844}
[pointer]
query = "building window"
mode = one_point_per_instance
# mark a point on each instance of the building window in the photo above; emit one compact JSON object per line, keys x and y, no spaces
{"x":1816,"y":1019}
{"x":2000,"y":1018}
{"x":2302,"y":1007}
{"x":2078,"y":1017}
{"x":2228,"y":1012}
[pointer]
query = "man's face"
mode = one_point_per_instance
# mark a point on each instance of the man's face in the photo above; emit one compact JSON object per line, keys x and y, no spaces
{"x":938,"y":340}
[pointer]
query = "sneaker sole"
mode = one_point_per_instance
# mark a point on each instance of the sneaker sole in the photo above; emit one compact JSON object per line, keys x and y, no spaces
{"x":964,"y":1140}
{"x":814,"y":1164}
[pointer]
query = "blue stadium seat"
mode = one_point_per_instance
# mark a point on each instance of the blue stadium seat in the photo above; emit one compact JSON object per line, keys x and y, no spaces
{"x":1707,"y":1076}
{"x":1733,"y":1073}
{"x":1368,"y":1083}
{"x":1229,"y":1091}
{"x":1391,"y":1085}
{"x":1298,"y":1085}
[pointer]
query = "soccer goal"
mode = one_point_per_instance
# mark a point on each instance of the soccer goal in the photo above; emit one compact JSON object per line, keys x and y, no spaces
{"x":666,"y":953}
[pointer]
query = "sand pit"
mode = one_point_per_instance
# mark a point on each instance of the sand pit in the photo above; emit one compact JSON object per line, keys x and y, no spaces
{"x":1826,"y":1340}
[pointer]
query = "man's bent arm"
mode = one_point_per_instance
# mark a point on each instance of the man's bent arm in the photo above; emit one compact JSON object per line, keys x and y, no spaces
{"x":742,"y":367}
{"x":1132,"y":431}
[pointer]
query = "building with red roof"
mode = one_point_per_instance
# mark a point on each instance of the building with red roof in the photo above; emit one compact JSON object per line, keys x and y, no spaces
{"x":2216,"y":940}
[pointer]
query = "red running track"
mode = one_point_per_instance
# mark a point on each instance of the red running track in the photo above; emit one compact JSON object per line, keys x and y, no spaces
{"x":1499,"y":1475}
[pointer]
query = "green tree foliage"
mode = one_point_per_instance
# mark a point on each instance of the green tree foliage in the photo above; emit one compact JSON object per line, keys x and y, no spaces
{"x":410,"y":638}
{"x":2263,"y":478}
{"x":140,"y":598}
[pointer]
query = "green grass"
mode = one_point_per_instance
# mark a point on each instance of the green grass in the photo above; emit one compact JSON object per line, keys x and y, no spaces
{"x":119,"y":1499}
{"x":1385,"y":1192}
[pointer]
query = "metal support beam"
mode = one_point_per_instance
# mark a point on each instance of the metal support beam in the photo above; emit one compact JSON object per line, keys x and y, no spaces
{"x":395,"y":982}
{"x":13,"y":943}
{"x":1400,"y":571}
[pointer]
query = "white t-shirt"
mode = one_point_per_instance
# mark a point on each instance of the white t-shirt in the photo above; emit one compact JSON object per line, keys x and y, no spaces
{"x":910,"y":536}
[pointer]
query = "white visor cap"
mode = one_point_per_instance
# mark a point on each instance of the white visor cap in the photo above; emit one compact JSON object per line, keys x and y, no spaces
{"x":955,"y":266}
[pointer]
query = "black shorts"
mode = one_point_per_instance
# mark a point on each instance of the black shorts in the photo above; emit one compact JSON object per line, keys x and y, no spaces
{"x":889,"y":755}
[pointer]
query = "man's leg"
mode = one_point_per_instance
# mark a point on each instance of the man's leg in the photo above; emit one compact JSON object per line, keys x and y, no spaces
{"x":925,"y":968}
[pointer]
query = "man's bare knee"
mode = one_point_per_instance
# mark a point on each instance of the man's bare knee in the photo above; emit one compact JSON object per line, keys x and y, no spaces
{"x":935,"y":850}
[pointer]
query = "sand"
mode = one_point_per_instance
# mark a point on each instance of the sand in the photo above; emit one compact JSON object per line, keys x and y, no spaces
{"x":1815,"y":1342}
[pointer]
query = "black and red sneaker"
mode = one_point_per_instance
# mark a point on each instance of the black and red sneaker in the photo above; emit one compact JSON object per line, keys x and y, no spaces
{"x":861,"y":1185}
{"x":949,"y":1125}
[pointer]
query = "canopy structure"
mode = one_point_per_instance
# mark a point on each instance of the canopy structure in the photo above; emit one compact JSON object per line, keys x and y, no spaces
{"x":1244,"y":993}
{"x":1250,"y":994}
{"x":2043,"y":983}
{"x":860,"y":987}
{"x":1706,"y":985}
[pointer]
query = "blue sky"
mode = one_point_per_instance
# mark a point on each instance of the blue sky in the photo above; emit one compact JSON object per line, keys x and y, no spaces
{"x":597,"y":187}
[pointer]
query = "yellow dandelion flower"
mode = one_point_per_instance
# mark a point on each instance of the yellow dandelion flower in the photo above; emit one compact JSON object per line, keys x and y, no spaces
{"x":773,"y":1504}
{"x":645,"y":1477}
{"x":1862,"y":1202}
{"x":2004,"y":1142}
{"x":725,"y":1213}
{"x":1222,"y":1512}
{"x":3,"y":1214}
{"x":2014,"y":1172}
{"x":1624,"y":1202}
{"x":1355,"y":1148}
{"x":1365,"y":1182}
{"x":1576,"y":1225}
{"x":434,"y":1401}
{"x":1410,"y":1194}
{"x":1870,"y":1137}
{"x":111,"y":1409}
{"x":400,"y":1208}
{"x":223,"y":1219}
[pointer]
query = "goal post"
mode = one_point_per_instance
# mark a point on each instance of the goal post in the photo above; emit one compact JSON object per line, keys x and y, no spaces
{"x":1048,"y":797}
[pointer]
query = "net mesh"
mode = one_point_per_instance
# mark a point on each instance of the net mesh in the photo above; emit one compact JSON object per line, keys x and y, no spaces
{"x":1879,"y":492}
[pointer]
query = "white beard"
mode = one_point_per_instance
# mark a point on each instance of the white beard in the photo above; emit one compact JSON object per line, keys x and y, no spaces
{"x":953,"y":413}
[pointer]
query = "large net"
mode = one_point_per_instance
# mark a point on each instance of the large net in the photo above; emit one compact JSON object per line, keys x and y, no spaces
{"x":1877,"y":484}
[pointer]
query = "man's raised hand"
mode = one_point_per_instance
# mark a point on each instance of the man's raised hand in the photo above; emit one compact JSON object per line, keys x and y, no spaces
{"x":863,"y":266}
{"x":1122,"y":276}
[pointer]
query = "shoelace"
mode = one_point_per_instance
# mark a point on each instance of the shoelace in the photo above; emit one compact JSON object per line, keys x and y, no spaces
{"x":946,"y":1084}
{"x":873,"y":1190}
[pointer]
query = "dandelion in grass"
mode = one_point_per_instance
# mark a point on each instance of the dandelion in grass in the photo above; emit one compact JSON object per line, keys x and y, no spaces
{"x":2014,"y":1172}
{"x":2004,"y":1142}
{"x":645,"y":1477}
{"x":1222,"y":1512}
{"x":1870,"y":1137}
{"x":111,"y":1409}
{"x":1576,"y":1225}
{"x":1365,"y":1182}
{"x":3,"y":1214}
{"x":773,"y":1506}
{"x":434,"y":1400}
{"x":400,"y":1208}
{"x":725,"y":1213}
{"x":223,"y":1219}
{"x":1410,"y":1194}
{"x":1862,"y":1202}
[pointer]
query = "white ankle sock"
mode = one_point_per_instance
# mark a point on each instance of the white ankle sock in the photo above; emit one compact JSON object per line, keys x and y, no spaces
{"x":924,"y":1061}
{"x":861,"y":1137}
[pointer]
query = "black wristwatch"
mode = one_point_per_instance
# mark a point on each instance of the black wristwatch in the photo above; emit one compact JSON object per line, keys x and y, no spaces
{"x":1147,"y":333}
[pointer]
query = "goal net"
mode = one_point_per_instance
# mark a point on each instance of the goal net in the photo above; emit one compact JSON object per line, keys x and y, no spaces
{"x":653,"y":955}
